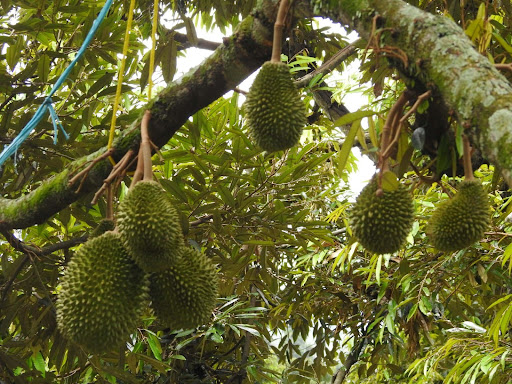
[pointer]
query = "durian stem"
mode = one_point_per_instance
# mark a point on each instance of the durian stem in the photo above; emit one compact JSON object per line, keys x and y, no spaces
{"x":83,"y":174}
{"x":116,"y":172}
{"x":390,"y":127}
{"x":468,"y":167}
{"x":145,"y":145}
{"x":139,"y":171}
{"x":110,"y":202}
{"x":284,"y":6}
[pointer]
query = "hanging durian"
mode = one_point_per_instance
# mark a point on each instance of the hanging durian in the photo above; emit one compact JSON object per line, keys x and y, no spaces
{"x":102,"y":294}
{"x":381,"y":222}
{"x":275,"y":111}
{"x":184,"y":295}
{"x":461,"y":221}
{"x":150,"y":227}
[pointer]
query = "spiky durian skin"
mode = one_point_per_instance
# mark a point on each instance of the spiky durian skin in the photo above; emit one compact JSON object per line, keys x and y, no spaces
{"x":459,"y":222}
{"x":274,"y":110}
{"x":102,"y":293}
{"x":381,"y":223}
{"x":150,"y":227}
{"x":103,"y":226}
{"x":184,"y":295}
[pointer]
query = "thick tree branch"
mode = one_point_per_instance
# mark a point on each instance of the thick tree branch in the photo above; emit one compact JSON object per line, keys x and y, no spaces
{"x":441,"y":57}
{"x":231,"y":63}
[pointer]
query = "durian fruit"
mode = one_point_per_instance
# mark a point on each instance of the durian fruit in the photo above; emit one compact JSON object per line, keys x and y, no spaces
{"x":150,"y":227}
{"x":459,"y":222}
{"x":103,"y":226}
{"x":102,"y":294}
{"x":275,"y":112}
{"x":184,"y":295}
{"x":381,"y":223}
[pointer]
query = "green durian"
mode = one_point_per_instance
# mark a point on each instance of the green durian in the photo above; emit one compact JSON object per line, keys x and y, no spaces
{"x":103,"y":226}
{"x":102,"y":294}
{"x":150,"y":227}
{"x":184,"y":295}
{"x":274,"y":110}
{"x":459,"y":222}
{"x":381,"y":223}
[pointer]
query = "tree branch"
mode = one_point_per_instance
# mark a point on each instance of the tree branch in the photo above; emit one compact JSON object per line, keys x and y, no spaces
{"x":230,"y":64}
{"x":201,"y":43}
{"x":329,"y":65}
{"x":441,"y":57}
{"x":352,"y":357}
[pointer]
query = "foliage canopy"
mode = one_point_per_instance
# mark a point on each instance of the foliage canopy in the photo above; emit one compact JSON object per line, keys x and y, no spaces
{"x":300,"y":301}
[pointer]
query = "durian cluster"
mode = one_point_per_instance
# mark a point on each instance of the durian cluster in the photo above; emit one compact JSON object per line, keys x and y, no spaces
{"x":274,"y":110}
{"x":114,"y":275}
{"x":382,"y":221}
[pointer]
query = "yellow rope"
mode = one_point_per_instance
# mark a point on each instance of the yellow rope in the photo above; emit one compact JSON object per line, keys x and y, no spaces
{"x":153,"y":47}
{"x":120,"y":77}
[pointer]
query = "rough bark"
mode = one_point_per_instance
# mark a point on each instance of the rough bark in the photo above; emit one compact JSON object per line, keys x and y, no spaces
{"x":441,"y":57}
{"x":230,"y":64}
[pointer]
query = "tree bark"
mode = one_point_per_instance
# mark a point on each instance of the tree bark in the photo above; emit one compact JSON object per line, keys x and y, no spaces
{"x":440,"y":56}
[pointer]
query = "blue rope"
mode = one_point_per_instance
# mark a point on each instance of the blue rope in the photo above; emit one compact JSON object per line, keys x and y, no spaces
{"x":47,"y":103}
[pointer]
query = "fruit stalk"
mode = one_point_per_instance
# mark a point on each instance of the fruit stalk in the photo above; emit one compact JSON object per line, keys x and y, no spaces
{"x":468,"y":167}
{"x":284,"y":6}
{"x":146,"y":146}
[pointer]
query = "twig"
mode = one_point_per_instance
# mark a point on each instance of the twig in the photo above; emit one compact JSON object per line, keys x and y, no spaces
{"x":352,"y":357}
{"x":139,"y":171}
{"x":329,"y":65}
{"x":415,"y":106}
{"x":201,"y":220}
{"x":83,"y":174}
{"x":503,"y":67}
{"x":388,"y":130}
{"x":238,"y":90}
{"x":118,"y":170}
{"x":110,"y":202}
{"x":28,"y":250}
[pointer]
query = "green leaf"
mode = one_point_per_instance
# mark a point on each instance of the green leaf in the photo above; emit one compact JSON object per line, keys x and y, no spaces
{"x":259,"y":242}
{"x":248,"y":328}
{"x":154,"y":344}
{"x":344,"y":153}
{"x":191,"y":31}
{"x":102,"y":82}
{"x":39,"y":363}
{"x":353,"y":117}
{"x":43,"y":67}
{"x":168,"y":60}
{"x":390,"y":181}
{"x":14,"y":52}
{"x":226,"y":195}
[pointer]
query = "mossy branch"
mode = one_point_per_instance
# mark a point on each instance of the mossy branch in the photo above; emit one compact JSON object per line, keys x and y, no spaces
{"x":442,"y":58}
{"x":231,"y":63}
